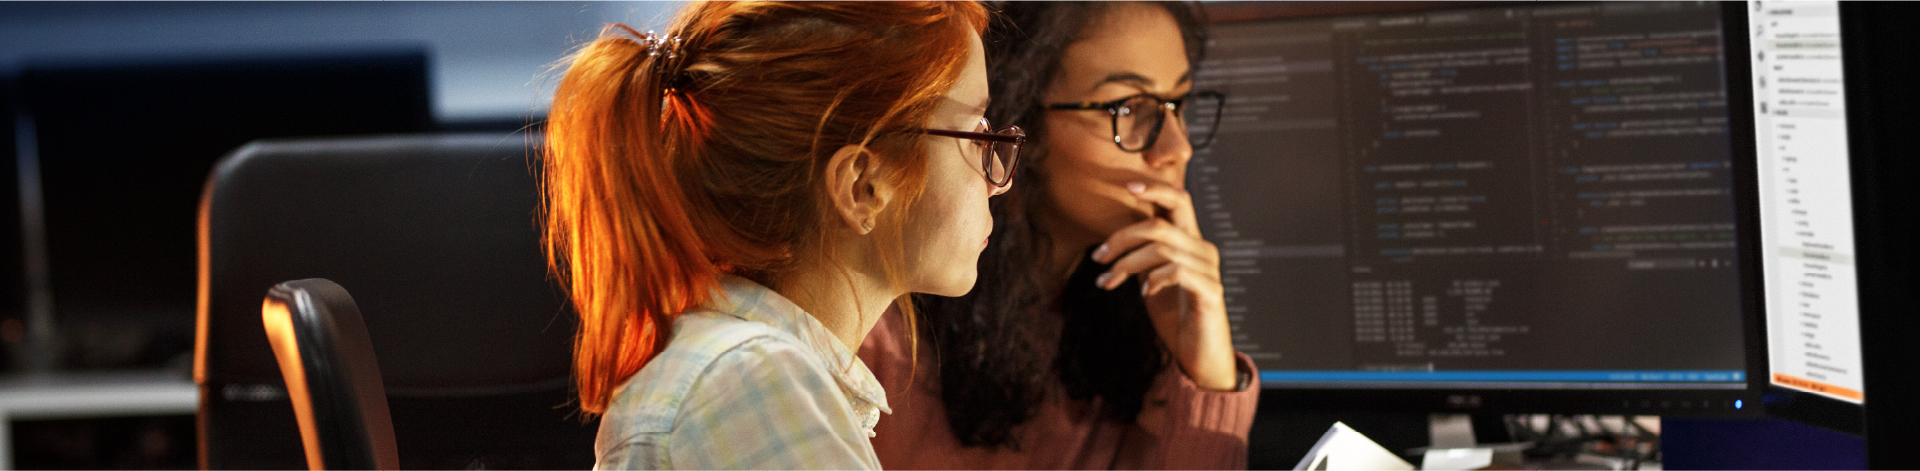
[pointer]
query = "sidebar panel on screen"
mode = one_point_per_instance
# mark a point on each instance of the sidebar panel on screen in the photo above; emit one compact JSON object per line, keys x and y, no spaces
{"x":1813,"y":313}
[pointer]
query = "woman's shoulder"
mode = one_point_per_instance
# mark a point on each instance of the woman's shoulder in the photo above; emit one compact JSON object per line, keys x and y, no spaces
{"x":704,"y":344}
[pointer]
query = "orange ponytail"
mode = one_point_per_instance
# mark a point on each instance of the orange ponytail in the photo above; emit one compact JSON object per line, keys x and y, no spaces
{"x":651,"y":194}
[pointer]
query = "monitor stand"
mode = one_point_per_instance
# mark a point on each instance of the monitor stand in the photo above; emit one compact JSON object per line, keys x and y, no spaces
{"x":1450,"y":431}
{"x":1452,"y":444}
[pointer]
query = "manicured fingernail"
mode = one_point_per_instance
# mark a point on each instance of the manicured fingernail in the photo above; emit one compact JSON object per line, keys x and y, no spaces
{"x":1143,"y":288}
{"x":1100,"y":253}
{"x":1137,"y":187}
{"x":1102,"y":280}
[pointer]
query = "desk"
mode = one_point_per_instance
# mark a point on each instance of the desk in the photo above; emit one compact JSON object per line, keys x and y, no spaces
{"x":79,"y":395}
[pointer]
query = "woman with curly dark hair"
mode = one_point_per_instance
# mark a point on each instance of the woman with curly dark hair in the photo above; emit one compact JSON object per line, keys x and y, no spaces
{"x":1097,"y":336}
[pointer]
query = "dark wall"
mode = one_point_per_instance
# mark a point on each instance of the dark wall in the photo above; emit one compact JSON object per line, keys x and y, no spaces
{"x":13,"y":296}
{"x":1882,"y":96}
{"x":125,"y":148}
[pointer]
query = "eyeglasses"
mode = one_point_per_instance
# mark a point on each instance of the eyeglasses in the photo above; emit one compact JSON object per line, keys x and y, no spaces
{"x":1137,"y":119}
{"x":1000,"y":153}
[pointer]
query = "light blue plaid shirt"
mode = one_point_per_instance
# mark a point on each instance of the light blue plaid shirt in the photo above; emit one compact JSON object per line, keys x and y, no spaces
{"x":748,"y":381}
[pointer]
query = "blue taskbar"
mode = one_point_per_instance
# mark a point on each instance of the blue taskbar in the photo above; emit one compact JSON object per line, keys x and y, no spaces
{"x":1712,"y":379}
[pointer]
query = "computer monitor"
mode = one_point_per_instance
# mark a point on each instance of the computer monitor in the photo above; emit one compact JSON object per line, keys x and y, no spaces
{"x":1488,"y":208}
{"x":1833,"y":96}
{"x":1807,"y":229}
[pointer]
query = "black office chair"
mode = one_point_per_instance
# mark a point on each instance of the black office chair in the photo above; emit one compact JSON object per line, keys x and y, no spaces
{"x":332,"y":375}
{"x":438,"y":238}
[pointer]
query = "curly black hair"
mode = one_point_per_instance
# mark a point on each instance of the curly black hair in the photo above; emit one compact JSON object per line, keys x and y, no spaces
{"x":992,"y":376}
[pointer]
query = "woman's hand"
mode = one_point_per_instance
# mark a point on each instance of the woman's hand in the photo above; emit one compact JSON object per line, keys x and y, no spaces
{"x":1180,"y":277}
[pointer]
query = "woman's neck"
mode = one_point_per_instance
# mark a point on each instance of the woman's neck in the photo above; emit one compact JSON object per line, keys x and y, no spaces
{"x":847,"y":301}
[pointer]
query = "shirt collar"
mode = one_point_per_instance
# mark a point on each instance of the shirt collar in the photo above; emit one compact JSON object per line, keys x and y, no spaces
{"x":746,"y":299}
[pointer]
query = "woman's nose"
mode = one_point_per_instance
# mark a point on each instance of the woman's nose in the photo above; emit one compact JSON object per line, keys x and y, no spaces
{"x":1172,"y":147}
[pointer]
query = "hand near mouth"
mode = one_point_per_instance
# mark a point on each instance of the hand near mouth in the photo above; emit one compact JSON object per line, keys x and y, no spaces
{"x":1180,"y":277}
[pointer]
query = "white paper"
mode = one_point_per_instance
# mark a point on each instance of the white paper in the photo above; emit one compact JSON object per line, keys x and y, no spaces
{"x":1342,"y":449}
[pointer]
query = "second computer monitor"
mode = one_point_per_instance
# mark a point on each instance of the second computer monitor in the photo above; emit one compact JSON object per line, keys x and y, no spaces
{"x":1528,"y":208}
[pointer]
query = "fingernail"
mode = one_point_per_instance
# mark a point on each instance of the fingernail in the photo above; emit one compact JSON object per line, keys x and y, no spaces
{"x":1143,"y":288}
{"x":1136,"y":187}
{"x":1102,"y":280}
{"x":1100,"y":253}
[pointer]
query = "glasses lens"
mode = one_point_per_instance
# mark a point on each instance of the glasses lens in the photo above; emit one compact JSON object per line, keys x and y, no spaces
{"x":1202,"y":115}
{"x":997,"y":165}
{"x":1003,"y":157}
{"x":1136,"y":121}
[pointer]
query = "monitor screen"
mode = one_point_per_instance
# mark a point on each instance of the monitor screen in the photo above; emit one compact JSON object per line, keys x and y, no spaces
{"x":1806,"y":211}
{"x":1515,"y":198}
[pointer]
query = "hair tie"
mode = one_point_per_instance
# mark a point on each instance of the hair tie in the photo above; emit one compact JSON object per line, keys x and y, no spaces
{"x":667,"y":59}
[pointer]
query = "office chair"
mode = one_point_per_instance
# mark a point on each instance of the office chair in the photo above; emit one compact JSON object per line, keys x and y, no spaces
{"x":331,"y":373}
{"x":438,"y":238}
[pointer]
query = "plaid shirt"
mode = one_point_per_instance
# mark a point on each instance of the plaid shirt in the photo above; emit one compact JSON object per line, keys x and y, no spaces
{"x":747,"y":381}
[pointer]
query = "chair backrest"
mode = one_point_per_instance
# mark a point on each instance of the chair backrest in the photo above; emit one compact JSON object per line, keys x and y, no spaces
{"x":332,"y":376}
{"x":438,"y":238}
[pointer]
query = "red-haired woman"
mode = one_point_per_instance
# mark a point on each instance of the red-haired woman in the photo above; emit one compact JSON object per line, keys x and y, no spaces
{"x":733,"y":204}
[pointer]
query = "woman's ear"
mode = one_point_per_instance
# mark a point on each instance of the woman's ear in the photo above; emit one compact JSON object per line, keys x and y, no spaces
{"x":856,"y":187}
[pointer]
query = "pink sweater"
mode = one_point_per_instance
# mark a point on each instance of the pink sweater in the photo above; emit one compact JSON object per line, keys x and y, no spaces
{"x":1183,"y":426}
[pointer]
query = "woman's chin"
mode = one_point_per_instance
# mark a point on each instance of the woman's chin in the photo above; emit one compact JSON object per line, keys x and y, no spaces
{"x":954,"y":287}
